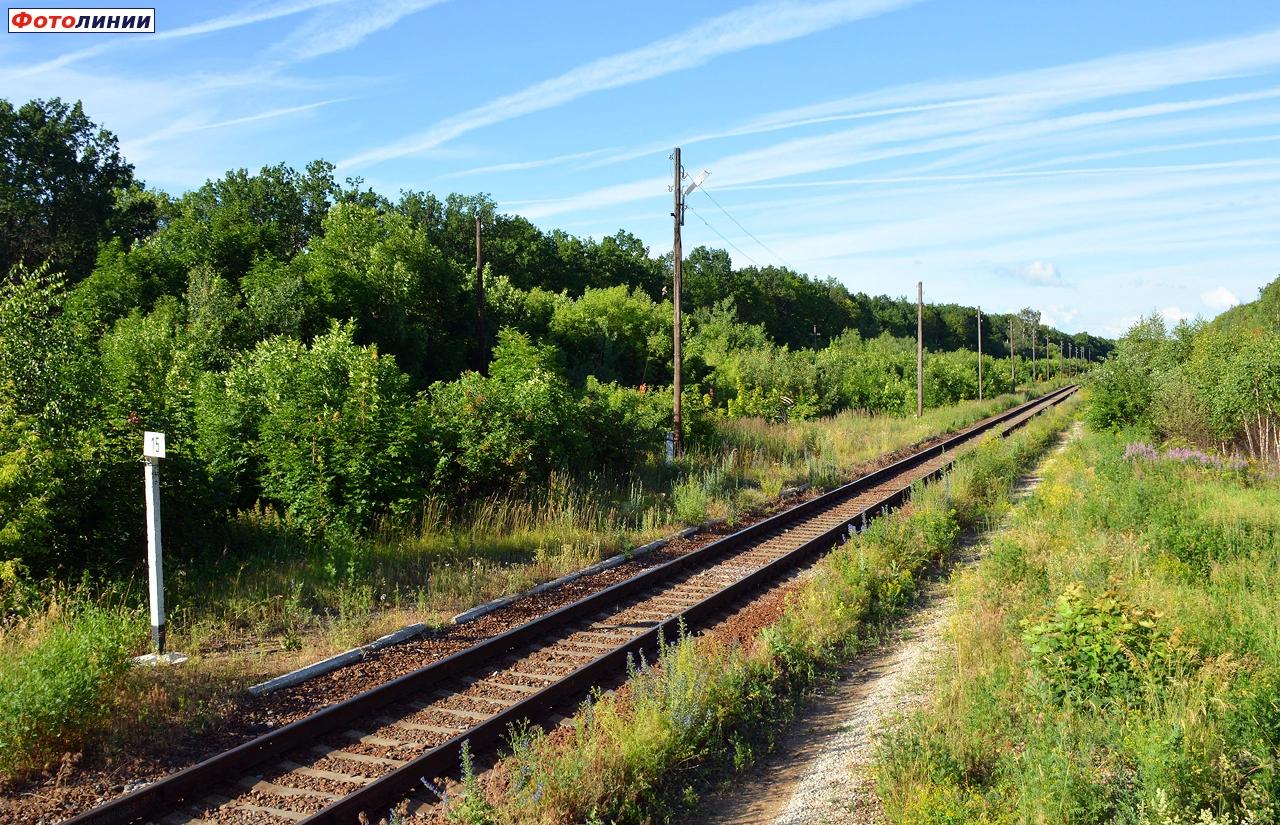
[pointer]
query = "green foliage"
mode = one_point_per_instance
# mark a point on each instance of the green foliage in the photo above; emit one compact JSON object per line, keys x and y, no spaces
{"x":1124,"y":386}
{"x":333,"y":431}
{"x":123,"y":279}
{"x":228,"y":223}
{"x":501,"y":431}
{"x":48,"y":400}
{"x":1098,"y":648}
{"x":1215,"y":386}
{"x":621,"y":426}
{"x":53,"y":679}
{"x":689,"y":499}
{"x":615,"y":334}
{"x":58,"y":187}
{"x":280,"y":300}
{"x":378,"y":269}
{"x":46,"y":370}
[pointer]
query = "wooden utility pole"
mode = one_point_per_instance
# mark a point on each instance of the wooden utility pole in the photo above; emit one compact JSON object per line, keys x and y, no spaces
{"x":482,"y":340}
{"x":919,"y":348}
{"x":676,"y":255}
{"x":979,"y":353}
{"x":1035,"y":333}
{"x":1013,"y":370}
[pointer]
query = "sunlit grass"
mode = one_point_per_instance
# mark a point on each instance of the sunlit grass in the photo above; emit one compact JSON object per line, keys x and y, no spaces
{"x":1197,"y":736}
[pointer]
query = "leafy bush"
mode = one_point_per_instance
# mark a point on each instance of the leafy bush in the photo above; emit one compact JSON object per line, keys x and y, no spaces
{"x":690,"y":501}
{"x":1098,"y":649}
{"x":332,"y":430}
{"x":622,"y":426}
{"x":615,"y":334}
{"x":502,"y":431}
{"x":52,"y":682}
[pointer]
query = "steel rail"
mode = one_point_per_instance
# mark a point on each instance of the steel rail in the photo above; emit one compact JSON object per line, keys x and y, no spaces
{"x":382,"y":793}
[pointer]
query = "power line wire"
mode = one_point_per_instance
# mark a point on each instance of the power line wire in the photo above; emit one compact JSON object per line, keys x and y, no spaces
{"x":721,"y":234}
{"x":704,"y":191}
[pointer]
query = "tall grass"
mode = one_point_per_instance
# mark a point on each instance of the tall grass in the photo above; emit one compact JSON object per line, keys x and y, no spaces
{"x":704,"y":707}
{"x":314,"y":596}
{"x":1115,"y":658}
{"x":56,"y":668}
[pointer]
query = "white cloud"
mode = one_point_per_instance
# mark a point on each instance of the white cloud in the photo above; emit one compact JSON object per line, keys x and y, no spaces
{"x":1062,"y":85}
{"x":1172,"y":315}
{"x":520,"y":165}
{"x":1219,"y":299}
{"x":1040,"y":273}
{"x":988,"y":129}
{"x":335,"y":30}
{"x":745,"y":28}
{"x":1059,"y":317}
{"x":187,"y":126}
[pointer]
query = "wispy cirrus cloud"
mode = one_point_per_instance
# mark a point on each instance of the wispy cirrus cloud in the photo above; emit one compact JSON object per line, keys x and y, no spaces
{"x":1057,"y":86}
{"x":914,"y":135}
{"x":190,"y":125}
{"x":337,"y":29}
{"x":745,"y":28}
{"x":512,"y":166}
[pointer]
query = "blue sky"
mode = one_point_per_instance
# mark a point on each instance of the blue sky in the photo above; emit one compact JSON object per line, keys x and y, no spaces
{"x":1098,"y":160}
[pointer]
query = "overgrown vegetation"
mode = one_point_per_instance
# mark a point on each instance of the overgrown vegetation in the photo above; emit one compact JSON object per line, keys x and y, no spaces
{"x":1114,"y":658}
{"x":704,"y":708}
{"x":344,"y":454}
{"x":56,"y":670}
{"x":1213,"y":385}
{"x":309,"y":348}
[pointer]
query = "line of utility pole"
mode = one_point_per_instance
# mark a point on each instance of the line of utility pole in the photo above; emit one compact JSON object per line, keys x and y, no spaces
{"x":979,"y":353}
{"x":1035,"y":333}
{"x":1013,"y":370}
{"x":919,"y":349}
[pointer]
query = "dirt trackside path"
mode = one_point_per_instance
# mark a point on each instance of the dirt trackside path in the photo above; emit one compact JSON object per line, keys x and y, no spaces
{"x":820,"y":771}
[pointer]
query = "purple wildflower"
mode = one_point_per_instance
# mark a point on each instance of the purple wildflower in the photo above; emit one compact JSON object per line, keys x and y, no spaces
{"x":1141,"y":451}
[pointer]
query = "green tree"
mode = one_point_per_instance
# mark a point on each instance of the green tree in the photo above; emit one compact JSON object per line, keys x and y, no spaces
{"x":615,"y":334}
{"x":505,"y":430}
{"x":331,"y":432}
{"x":381,"y":271}
{"x":60,"y":176}
{"x":228,"y":223}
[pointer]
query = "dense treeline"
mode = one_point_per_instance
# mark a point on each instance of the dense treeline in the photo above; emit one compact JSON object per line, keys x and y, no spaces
{"x":310,"y":347}
{"x":1213,"y":385}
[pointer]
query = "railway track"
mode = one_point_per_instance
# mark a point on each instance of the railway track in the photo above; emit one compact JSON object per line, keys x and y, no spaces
{"x":370,"y":752}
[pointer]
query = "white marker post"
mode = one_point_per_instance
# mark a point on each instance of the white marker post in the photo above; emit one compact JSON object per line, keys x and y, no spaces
{"x":152,"y":452}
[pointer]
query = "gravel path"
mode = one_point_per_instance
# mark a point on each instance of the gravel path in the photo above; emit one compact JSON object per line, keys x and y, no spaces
{"x":821,"y":771}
